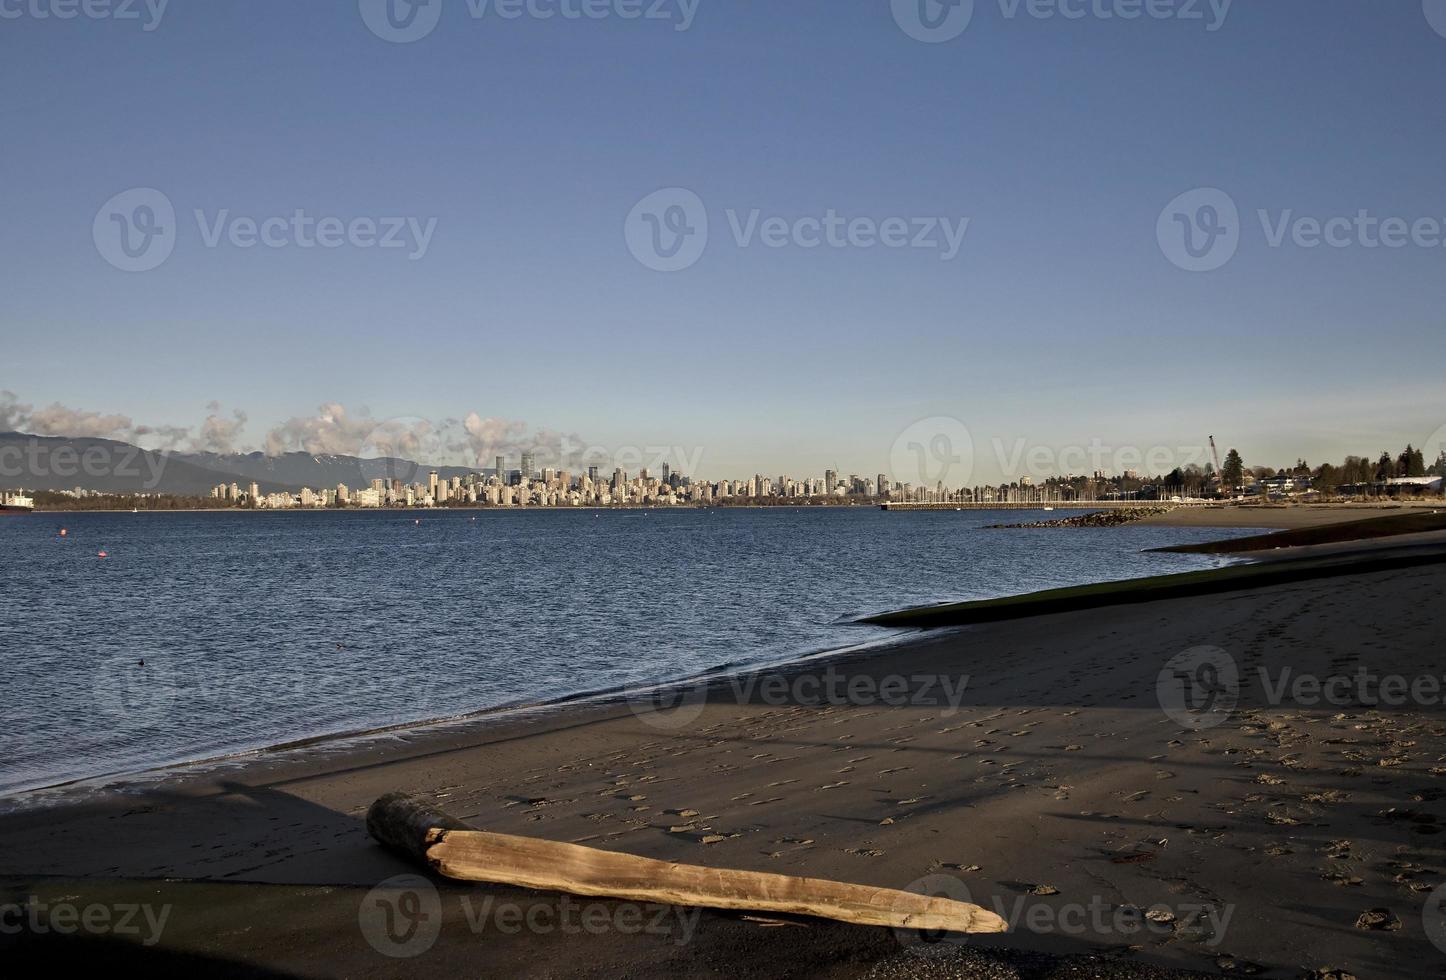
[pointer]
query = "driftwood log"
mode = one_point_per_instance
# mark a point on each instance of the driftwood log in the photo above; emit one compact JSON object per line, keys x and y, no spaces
{"x":420,"y":832}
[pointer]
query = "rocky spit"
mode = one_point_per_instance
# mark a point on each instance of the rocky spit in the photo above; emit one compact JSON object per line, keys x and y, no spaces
{"x":1099,"y":518}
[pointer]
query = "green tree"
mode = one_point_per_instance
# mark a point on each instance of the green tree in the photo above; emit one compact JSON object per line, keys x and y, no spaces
{"x":1411,"y":463}
{"x":1232,"y":471}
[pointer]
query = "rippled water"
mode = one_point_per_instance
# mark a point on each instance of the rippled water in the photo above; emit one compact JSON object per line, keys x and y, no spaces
{"x":257,"y":629}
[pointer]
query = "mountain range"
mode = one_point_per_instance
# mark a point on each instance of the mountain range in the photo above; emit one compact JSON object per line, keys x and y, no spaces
{"x":30,"y":462}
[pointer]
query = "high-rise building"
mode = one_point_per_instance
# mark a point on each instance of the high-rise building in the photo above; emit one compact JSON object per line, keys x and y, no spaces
{"x":830,"y":480}
{"x":667,"y":474}
{"x":592,"y":473}
{"x":501,"y":469}
{"x":527,"y":466}
{"x":432,"y":485}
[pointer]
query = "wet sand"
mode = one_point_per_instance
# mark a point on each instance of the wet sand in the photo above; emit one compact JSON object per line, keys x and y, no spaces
{"x":1027,"y":765}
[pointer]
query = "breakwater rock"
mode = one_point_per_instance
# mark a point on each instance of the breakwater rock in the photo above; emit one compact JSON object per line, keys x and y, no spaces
{"x":1099,"y":518}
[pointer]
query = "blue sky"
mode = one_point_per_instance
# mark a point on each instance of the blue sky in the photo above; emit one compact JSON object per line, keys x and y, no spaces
{"x":529,"y":140}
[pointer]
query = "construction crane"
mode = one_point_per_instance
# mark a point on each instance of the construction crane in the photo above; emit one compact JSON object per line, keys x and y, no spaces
{"x":1219,"y":471}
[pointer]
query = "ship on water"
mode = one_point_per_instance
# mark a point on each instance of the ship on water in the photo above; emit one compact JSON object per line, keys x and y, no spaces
{"x":16,"y":503}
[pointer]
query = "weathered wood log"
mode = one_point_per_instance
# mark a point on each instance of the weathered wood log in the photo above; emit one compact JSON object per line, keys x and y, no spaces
{"x":448,"y":846}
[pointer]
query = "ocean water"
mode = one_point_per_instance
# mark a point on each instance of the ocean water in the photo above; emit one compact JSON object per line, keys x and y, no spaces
{"x":258,"y":629}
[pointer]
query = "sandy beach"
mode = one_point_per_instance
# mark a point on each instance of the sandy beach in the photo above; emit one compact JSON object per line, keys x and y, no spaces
{"x":1028,"y":766}
{"x":1287,"y":516}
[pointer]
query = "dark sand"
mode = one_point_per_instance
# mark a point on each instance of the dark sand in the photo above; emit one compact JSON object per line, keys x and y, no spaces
{"x":1059,"y":773}
{"x":1287,"y":516}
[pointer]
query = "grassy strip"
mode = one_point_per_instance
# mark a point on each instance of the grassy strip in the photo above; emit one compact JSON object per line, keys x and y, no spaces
{"x":1153,"y":589}
{"x":1374,"y":527}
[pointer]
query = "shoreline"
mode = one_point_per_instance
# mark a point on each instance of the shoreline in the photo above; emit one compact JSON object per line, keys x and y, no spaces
{"x":907,"y":622}
{"x":81,"y":789}
{"x":218,"y":755}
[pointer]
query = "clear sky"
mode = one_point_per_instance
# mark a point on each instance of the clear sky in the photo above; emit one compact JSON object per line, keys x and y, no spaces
{"x":1066,"y":313}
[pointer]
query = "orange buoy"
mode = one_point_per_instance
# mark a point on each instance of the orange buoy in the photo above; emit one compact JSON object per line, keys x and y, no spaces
{"x":63,"y":532}
{"x":102,"y":555}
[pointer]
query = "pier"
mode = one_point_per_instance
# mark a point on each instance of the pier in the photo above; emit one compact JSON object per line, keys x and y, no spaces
{"x":1042,"y":504}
